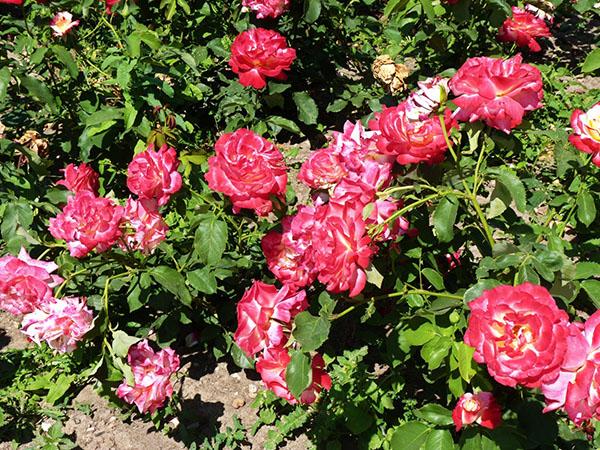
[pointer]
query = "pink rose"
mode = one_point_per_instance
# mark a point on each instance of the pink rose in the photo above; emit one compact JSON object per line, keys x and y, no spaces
{"x":61,"y":323}
{"x":80,"y":178}
{"x":497,"y":91}
{"x":380,"y":214}
{"x":110,"y":4}
{"x":586,"y":132}
{"x":480,"y":408}
{"x":62,"y":23}
{"x":152,"y":376}
{"x":520,"y":334}
{"x":322,"y":170}
{"x":261,"y":312}
{"x":25,"y":283}
{"x":271,"y":366}
{"x":267,"y":8}
{"x":144,"y":225}
{"x":87,"y":223}
{"x":154,"y":174}
{"x":522,"y":28}
{"x":258,"y":54}
{"x":411,"y":141}
{"x":248,"y":169}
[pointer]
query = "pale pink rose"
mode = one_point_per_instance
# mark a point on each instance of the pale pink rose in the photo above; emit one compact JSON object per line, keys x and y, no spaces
{"x":481,"y":408}
{"x":267,"y":8}
{"x":80,"y":178}
{"x":152,"y":377}
{"x":61,"y":323}
{"x":62,"y":23}
{"x":25,"y":283}
{"x":87,"y":223}
{"x":586,"y":132}
{"x":432,"y":93}
{"x":144,"y":227}
{"x":271,"y":366}
{"x":262,"y":311}
{"x":153,"y":174}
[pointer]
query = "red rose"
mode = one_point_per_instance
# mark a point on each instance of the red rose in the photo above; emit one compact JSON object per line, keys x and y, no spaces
{"x":586,"y":131}
{"x":497,"y":91}
{"x":271,"y":366}
{"x":322,"y":170}
{"x":411,"y":141}
{"x":154,"y":174}
{"x":258,"y":54}
{"x":480,"y":408}
{"x":520,"y":334}
{"x":267,"y":8}
{"x":261,"y":312}
{"x":381,"y":213}
{"x":80,"y":178}
{"x":12,"y":2}
{"x":110,"y":4}
{"x":249,"y":170}
{"x":522,"y":28}
{"x":87,"y":222}
{"x":144,"y":226}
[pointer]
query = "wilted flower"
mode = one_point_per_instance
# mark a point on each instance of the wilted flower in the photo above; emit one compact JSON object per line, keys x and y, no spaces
{"x":523,"y":28}
{"x":480,"y":408}
{"x":261,"y":312}
{"x":61,"y":323}
{"x":80,"y":178}
{"x":497,"y":91}
{"x":62,"y":23}
{"x":389,"y":74}
{"x":267,"y":8}
{"x":432,"y":93}
{"x":586,"y":131}
{"x":153,"y":174}
{"x":258,"y":54}
{"x":381,"y":212}
{"x":87,"y":223}
{"x":25,"y":283}
{"x":152,"y":377}
{"x":144,"y":227}
{"x":248,"y":169}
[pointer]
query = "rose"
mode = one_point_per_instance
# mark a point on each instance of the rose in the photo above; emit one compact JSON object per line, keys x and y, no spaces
{"x":480,"y":408}
{"x":520,"y":334}
{"x":586,"y":131}
{"x":62,"y":23}
{"x":344,"y":249}
{"x":80,"y":178}
{"x":288,"y":254}
{"x":522,"y":28}
{"x":272,"y":364}
{"x":381,"y":212}
{"x":25,"y":283}
{"x":261,"y":312}
{"x":432,"y":93}
{"x":153,"y":174}
{"x":411,"y":141}
{"x":152,"y":377}
{"x":267,"y":8}
{"x":110,"y":4}
{"x":497,"y":91}
{"x":322,"y":170}
{"x":87,"y":222}
{"x":61,"y":323}
{"x":248,"y":169}
{"x":258,"y":54}
{"x":145,"y":227}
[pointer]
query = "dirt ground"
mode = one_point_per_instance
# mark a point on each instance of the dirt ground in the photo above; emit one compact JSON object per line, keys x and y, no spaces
{"x":211,"y":395}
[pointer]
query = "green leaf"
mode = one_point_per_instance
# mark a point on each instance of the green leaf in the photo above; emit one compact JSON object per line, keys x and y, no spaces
{"x":393,"y":6}
{"x":203,"y":280}
{"x":298,"y":374}
{"x":435,"y":351}
{"x":59,"y":387}
{"x":444,"y":217}
{"x":439,"y":440}
{"x":327,"y":304}
{"x":464,"y":355}
{"x":307,"y":108}
{"x":592,"y":287}
{"x":65,"y":57}
{"x":173,"y":282}
{"x":587,"y":269}
{"x":39,"y":91}
{"x":311,"y":331}
{"x":121,"y":343}
{"x":425,"y":333}
{"x":592,"y":62}
{"x":505,"y":7}
{"x":434,"y":278}
{"x":477,"y":290}
{"x":410,"y":436}
{"x":514,"y":185}
{"x":4,"y":82}
{"x":312,"y":10}
{"x":240,"y":358}
{"x":435,"y":414}
{"x":374,"y":276}
{"x":428,"y":9}
{"x":210,"y":240}
{"x":586,"y":208}
{"x":284,"y":123}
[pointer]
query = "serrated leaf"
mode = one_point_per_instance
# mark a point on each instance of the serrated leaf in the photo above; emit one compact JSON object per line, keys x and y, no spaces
{"x":587,"y":269}
{"x":514,"y":186}
{"x":439,"y":440}
{"x":435,"y":414}
{"x":298,"y":374}
{"x":307,"y":108}
{"x":39,"y":91}
{"x":311,"y":331}
{"x":59,"y":387}
{"x":210,"y":240}
{"x":173,"y":282}
{"x":203,"y":280}
{"x":410,"y":436}
{"x":284,"y":123}
{"x":240,"y":358}
{"x":444,"y":217}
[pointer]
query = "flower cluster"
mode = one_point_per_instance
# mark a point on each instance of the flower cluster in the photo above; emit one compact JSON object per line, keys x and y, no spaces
{"x":151,"y":377}
{"x":264,"y":321}
{"x":526,"y":340}
{"x":523,"y":28}
{"x":89,"y":222}
{"x":26,"y":287}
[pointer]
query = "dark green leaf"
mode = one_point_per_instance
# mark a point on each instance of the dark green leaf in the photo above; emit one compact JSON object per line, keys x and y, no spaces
{"x":592,"y":62}
{"x":203,"y":280}
{"x":312,"y":10}
{"x":435,"y":414}
{"x":410,"y":436}
{"x":444,"y":217}
{"x":586,"y":209}
{"x":592,"y":287}
{"x":173,"y":282}
{"x":307,"y":108}
{"x":210,"y":240}
{"x":298,"y":374}
{"x":65,"y":57}
{"x":39,"y":91}
{"x":514,"y":186}
{"x":4,"y":82}
{"x":311,"y":331}
{"x":439,"y":440}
